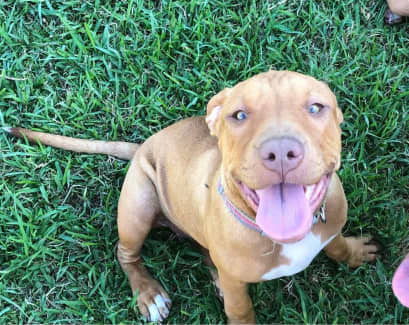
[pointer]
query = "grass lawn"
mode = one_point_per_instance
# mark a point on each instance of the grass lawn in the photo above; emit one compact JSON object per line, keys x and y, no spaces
{"x":122,"y":70}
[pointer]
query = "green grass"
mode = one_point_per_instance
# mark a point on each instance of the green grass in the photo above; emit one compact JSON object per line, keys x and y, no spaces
{"x":122,"y":70}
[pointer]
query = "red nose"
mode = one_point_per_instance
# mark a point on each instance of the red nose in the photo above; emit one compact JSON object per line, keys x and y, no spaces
{"x":281,"y":154}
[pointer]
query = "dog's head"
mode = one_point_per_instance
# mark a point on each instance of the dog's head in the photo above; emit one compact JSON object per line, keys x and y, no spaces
{"x":280,"y":141}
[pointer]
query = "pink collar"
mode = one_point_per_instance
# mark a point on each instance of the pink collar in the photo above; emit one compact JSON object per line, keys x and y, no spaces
{"x":248,"y":221}
{"x":236,"y":212}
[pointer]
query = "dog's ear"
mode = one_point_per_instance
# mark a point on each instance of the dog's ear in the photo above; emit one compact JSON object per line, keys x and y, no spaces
{"x":214,"y":107}
{"x":340,"y":116}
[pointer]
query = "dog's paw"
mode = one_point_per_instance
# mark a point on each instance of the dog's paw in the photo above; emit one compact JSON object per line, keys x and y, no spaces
{"x":154,"y":304}
{"x":363,"y":249}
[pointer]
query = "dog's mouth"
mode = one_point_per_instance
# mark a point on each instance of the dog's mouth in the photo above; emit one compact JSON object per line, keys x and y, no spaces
{"x":285,"y":211}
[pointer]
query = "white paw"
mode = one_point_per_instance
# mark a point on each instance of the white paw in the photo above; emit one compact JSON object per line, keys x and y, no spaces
{"x":158,"y":311}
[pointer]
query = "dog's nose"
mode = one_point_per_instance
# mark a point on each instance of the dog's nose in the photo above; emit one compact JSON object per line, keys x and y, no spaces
{"x":281,"y":154}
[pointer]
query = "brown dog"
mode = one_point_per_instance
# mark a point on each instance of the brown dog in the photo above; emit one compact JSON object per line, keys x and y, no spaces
{"x":258,"y":192}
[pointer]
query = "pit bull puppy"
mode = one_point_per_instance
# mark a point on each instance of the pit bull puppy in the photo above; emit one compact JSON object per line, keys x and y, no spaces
{"x":396,"y":10}
{"x":400,"y":282}
{"x":254,"y":183}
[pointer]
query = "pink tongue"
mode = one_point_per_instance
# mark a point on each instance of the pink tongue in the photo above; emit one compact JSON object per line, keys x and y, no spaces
{"x":400,"y":282}
{"x":284,"y":213}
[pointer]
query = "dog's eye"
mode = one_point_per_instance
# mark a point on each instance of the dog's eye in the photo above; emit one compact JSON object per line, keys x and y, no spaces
{"x":315,"y":108}
{"x":240,"y":115}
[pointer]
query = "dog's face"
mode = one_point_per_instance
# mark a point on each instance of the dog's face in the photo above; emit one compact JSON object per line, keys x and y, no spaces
{"x":281,"y":141}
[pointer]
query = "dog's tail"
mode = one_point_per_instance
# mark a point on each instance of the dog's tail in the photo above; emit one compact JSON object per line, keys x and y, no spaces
{"x":122,"y":150}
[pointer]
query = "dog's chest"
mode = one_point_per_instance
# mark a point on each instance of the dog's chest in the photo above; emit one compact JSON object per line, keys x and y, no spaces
{"x":299,"y":254}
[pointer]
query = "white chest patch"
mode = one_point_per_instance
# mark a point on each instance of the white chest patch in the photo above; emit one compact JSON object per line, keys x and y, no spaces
{"x":300,"y":255}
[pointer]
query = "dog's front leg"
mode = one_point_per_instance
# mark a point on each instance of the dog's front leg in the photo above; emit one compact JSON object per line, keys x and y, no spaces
{"x":137,"y":210}
{"x":237,"y":302}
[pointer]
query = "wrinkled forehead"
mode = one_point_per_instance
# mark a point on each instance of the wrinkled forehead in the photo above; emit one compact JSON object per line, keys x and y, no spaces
{"x":280,"y":88}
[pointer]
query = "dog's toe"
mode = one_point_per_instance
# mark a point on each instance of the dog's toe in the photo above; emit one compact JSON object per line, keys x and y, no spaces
{"x":162,"y":304}
{"x":158,"y":309}
{"x":154,"y":315}
{"x":154,"y":304}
